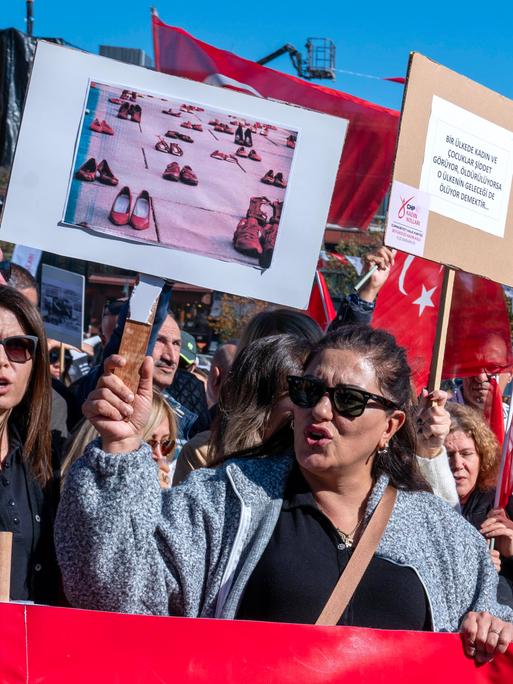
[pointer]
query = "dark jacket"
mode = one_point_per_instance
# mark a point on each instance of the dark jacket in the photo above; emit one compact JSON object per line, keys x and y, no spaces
{"x":475,"y":510}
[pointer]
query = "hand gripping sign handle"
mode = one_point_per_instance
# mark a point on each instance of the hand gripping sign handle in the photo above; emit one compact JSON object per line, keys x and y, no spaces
{"x":137,"y":330}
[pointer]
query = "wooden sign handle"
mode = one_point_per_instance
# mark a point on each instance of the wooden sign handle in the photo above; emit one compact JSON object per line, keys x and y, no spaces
{"x":437,"y":360}
{"x":133,"y":347}
{"x":5,"y":565}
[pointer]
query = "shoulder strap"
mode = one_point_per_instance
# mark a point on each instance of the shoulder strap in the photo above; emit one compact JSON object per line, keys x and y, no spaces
{"x":360,"y":559}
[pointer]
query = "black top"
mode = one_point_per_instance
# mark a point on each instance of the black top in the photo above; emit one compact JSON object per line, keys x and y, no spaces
{"x":302,"y":563}
{"x":28,"y":511}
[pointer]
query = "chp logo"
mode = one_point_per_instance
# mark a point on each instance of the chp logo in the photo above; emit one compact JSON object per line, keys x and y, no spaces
{"x":406,"y":206}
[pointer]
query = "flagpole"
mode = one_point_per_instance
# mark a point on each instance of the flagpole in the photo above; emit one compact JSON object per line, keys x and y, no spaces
{"x":156,"y":59}
{"x":505,"y":446}
{"x":323,"y":299}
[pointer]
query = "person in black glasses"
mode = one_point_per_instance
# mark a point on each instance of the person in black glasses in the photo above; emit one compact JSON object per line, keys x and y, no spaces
{"x":28,"y":482}
{"x":266,"y":537}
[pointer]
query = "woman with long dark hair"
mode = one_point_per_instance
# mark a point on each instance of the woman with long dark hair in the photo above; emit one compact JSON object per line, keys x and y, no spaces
{"x":28,"y":485}
{"x":266,"y":538}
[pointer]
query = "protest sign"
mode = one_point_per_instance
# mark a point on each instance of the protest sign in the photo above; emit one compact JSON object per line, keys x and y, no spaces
{"x":451,"y":194}
{"x":170,"y":177}
{"x":62,"y":304}
{"x":28,"y":257}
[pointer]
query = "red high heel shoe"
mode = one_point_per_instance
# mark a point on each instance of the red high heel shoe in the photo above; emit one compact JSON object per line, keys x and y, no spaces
{"x":241,"y":152}
{"x":253,"y":154}
{"x":120,"y":212}
{"x":140,"y":218}
{"x":279,"y":180}
{"x":87,"y":172}
{"x":268,"y":179}
{"x":105,"y":174}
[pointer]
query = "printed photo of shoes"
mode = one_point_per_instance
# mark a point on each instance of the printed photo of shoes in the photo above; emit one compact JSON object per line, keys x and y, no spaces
{"x":253,"y":154}
{"x":246,"y":238}
{"x":241,"y":152}
{"x":172,"y":172}
{"x":105,"y":175}
{"x":279,"y":181}
{"x":140,"y":218}
{"x":120,"y":211}
{"x":268,"y":179}
{"x":87,"y":172}
{"x":188,"y":176}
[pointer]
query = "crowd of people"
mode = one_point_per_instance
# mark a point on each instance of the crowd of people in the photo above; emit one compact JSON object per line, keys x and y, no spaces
{"x":245,"y":495}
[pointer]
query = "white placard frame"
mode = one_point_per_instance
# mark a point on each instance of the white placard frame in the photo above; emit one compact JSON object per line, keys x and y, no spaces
{"x":44,"y":160}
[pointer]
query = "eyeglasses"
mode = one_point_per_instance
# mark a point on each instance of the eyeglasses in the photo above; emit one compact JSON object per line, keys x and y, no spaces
{"x":19,"y":348}
{"x":166,"y":445}
{"x":349,"y":401}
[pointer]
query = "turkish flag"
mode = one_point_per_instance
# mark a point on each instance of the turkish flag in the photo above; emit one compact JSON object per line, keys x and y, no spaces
{"x":478,"y":334}
{"x":407,"y":306}
{"x":320,"y":307}
{"x":366,"y":165}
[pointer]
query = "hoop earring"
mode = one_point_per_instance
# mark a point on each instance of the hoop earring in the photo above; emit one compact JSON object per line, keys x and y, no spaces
{"x":383,"y":451}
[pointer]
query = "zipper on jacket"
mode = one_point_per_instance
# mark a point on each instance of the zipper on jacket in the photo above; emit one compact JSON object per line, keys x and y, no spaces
{"x":236,"y":551}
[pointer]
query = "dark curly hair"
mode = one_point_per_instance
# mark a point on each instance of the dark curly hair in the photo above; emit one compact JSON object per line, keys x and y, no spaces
{"x":393,"y":378}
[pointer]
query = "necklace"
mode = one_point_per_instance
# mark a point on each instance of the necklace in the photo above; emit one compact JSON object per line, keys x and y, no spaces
{"x":347,"y":538}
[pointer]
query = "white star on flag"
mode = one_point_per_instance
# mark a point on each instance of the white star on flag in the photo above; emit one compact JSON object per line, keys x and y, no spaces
{"x":425,"y":299}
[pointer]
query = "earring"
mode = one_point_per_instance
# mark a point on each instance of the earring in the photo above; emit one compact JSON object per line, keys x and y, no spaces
{"x":383,"y":451}
{"x":292,"y":423}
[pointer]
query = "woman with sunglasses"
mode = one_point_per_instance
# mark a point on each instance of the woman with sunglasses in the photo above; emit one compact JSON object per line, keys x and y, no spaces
{"x":28,"y":484}
{"x":267,"y":538}
{"x":159,"y":433}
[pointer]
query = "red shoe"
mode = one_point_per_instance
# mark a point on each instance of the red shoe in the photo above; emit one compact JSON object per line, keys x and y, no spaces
{"x":186,"y":124}
{"x":277,"y":207}
{"x":248,"y":139}
{"x":255,"y":210}
{"x":125,"y":95}
{"x":115,"y":100}
{"x":253,"y":154}
{"x":87,"y":172}
{"x":120,"y":212}
{"x":140,"y":218}
{"x":133,"y":96}
{"x":172,"y":172}
{"x":214,"y":122}
{"x":188,"y":176}
{"x":136,"y":113}
{"x":291,"y":141}
{"x":162,"y":146}
{"x":124,"y":111}
{"x":197,"y":127}
{"x":241,"y":152}
{"x":171,"y":134}
{"x":246,"y":238}
{"x":279,"y":181}
{"x":96,"y":126}
{"x":108,"y":130}
{"x":227,"y":129}
{"x":105,"y":175}
{"x":268,"y":179}
{"x":175,"y":149}
{"x":184,"y":138}
{"x":268,"y":243}
{"x":171,"y":112}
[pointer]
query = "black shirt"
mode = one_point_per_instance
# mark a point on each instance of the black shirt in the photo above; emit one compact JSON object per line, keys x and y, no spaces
{"x":302,"y":563}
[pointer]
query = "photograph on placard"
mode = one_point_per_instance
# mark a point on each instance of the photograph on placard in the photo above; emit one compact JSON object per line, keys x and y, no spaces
{"x":172,"y":173}
{"x":62,"y":304}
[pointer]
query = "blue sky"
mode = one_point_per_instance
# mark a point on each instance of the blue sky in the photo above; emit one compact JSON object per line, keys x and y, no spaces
{"x":374,"y":38}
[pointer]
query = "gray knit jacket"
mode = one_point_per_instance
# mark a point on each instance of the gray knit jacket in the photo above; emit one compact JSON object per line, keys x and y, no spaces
{"x":123,"y":546}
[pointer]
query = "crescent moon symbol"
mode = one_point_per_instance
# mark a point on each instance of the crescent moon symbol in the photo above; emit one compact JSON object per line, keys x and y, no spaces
{"x":406,"y":266}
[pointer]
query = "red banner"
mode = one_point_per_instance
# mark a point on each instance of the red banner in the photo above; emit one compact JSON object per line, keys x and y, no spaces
{"x":62,"y":645}
{"x":366,"y":164}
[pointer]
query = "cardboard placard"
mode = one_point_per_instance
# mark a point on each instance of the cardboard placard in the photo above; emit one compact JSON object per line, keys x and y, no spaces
{"x":455,"y":156}
{"x":94,"y":110}
{"x":62,"y":304}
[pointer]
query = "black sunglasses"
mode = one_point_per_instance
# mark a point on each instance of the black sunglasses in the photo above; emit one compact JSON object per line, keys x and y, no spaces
{"x":306,"y":392}
{"x":19,"y":348}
